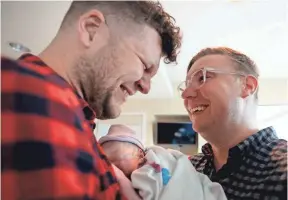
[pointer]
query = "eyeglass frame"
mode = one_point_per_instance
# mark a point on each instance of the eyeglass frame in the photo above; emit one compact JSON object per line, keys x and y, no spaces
{"x":209,"y":69}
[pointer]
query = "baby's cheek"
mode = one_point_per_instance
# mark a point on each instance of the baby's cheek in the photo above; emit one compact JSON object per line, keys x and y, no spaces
{"x":128,"y":166}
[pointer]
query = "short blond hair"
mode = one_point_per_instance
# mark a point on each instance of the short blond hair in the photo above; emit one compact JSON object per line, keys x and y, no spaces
{"x":243,"y":63}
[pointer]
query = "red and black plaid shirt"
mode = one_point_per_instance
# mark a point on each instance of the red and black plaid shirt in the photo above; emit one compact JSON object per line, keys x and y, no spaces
{"x":48,"y":149}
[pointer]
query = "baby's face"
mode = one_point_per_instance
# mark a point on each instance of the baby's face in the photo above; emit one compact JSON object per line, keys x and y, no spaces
{"x":127,"y":157}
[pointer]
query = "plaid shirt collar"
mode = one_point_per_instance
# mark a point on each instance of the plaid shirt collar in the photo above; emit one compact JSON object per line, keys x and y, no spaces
{"x":253,"y":142}
{"x":90,"y":115}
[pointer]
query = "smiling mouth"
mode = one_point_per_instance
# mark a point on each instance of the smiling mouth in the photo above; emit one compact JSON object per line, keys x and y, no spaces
{"x":198,"y":109}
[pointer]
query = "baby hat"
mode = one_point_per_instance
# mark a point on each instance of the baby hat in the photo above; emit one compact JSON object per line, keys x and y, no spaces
{"x":121,"y":133}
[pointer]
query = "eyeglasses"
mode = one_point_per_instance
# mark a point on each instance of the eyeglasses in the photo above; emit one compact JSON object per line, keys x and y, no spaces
{"x":198,"y":78}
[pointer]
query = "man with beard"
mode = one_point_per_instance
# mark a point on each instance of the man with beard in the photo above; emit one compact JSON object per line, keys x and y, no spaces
{"x":102,"y":53}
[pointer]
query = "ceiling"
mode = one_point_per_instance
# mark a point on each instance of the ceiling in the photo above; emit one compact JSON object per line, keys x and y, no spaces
{"x":258,"y":28}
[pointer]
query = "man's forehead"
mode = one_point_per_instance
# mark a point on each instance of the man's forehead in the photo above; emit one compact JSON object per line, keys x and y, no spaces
{"x":211,"y":61}
{"x":147,"y":45}
{"x":152,"y":47}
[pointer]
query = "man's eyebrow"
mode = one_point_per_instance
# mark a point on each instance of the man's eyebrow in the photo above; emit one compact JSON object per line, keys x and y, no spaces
{"x":193,"y":71}
{"x":190,"y":73}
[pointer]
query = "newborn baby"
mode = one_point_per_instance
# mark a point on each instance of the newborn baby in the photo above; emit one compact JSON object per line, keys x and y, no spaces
{"x":156,"y":173}
{"x":123,"y":148}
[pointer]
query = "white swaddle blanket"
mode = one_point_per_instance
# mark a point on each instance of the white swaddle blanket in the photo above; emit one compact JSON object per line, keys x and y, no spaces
{"x":169,"y":175}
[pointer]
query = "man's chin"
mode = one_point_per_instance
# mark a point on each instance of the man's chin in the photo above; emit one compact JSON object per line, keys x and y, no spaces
{"x":111,"y":113}
{"x":108,"y":108}
{"x":198,"y":127}
{"x":107,"y":117}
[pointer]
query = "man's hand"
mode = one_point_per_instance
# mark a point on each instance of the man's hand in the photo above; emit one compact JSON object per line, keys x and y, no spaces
{"x":125,"y":185}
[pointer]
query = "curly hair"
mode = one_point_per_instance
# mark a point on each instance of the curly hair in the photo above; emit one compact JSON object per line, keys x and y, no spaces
{"x":139,"y":12}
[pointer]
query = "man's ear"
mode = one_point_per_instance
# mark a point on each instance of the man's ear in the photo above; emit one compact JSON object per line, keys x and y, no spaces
{"x":89,"y":25}
{"x":249,"y":86}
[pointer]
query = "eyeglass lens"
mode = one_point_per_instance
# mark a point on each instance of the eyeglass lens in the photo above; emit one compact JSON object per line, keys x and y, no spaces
{"x":197,"y":79}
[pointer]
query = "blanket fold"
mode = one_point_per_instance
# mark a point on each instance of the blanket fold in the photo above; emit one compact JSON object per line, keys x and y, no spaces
{"x":169,"y":175}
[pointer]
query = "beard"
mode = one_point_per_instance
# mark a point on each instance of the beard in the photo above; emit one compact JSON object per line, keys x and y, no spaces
{"x":97,"y":84}
{"x":108,"y":109}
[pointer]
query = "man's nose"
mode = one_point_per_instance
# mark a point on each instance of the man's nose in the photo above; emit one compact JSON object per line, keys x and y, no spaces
{"x":144,"y":85}
{"x":189,"y":92}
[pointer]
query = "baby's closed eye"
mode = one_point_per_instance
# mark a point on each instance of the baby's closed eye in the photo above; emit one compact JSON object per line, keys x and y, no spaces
{"x":142,"y":161}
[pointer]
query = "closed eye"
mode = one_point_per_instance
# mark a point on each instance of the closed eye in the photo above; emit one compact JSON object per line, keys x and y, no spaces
{"x":149,"y":69}
{"x":144,"y":66}
{"x":201,"y":78}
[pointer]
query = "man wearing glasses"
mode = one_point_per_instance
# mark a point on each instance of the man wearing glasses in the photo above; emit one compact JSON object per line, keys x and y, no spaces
{"x":221,"y":95}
